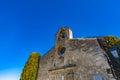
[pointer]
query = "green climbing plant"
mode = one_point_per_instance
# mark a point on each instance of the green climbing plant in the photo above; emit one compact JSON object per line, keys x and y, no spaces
{"x":113,"y":41}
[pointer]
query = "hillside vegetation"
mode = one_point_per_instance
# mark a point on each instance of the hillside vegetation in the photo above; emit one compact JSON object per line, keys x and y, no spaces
{"x":31,"y":67}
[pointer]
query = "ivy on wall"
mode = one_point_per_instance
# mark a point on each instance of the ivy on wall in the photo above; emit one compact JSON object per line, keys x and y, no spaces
{"x":31,"y":67}
{"x":114,"y":42}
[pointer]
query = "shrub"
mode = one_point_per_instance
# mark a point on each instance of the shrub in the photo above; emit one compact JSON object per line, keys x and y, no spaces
{"x":31,"y":67}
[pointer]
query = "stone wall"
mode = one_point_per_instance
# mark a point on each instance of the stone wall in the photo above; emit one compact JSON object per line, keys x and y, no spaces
{"x":82,"y":60}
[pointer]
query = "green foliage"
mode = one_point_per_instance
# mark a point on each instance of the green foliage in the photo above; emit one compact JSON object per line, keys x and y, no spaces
{"x":113,"y":41}
{"x":31,"y":67}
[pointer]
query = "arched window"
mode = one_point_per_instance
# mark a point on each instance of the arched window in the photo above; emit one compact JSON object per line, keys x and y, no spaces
{"x":62,"y":34}
{"x":62,"y":51}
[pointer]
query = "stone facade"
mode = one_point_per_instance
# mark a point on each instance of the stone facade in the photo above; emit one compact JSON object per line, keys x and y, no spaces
{"x":74,"y":59}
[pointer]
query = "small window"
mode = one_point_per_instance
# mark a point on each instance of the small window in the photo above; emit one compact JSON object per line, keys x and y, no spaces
{"x":54,"y":65}
{"x":97,"y":77}
{"x":109,"y":71}
{"x":62,"y":34}
{"x":114,"y":52}
{"x":62,"y":50}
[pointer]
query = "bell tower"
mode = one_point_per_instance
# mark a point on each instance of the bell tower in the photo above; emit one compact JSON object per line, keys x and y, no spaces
{"x":62,"y":36}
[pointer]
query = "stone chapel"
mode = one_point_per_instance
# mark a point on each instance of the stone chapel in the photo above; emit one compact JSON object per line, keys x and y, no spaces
{"x":75,"y":59}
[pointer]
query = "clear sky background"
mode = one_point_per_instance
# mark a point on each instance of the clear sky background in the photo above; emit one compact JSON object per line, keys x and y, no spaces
{"x":30,"y":25}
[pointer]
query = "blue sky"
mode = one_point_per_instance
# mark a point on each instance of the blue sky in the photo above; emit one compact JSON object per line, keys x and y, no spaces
{"x":30,"y":25}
